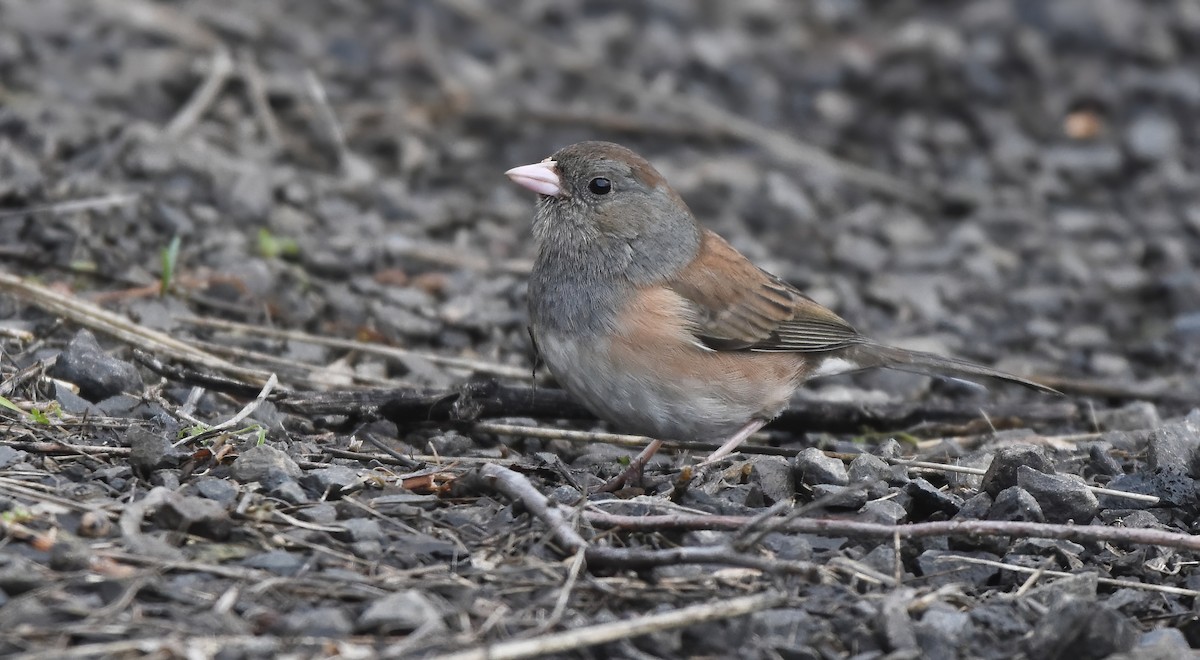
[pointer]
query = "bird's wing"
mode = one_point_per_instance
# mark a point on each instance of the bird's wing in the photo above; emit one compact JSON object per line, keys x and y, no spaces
{"x":739,"y":306}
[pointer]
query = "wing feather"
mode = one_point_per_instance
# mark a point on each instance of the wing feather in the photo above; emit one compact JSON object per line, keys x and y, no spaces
{"x":738,"y":306}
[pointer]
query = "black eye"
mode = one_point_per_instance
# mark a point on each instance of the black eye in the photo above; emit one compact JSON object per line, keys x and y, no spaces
{"x":600,"y":186}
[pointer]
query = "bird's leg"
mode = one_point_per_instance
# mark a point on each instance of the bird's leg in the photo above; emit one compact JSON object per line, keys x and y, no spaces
{"x":634,"y":470}
{"x":735,"y":441}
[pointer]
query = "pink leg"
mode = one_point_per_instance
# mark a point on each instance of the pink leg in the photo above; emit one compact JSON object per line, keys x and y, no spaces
{"x":735,"y":441}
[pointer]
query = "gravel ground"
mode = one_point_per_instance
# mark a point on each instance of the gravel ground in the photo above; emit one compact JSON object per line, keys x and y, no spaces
{"x":1013,"y":182}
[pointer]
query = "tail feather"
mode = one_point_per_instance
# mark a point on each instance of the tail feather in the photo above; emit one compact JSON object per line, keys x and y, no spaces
{"x":929,"y":364}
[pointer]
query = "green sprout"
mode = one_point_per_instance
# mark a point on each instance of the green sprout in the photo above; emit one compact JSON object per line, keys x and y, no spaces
{"x":170,"y":259}
{"x":272,"y":246}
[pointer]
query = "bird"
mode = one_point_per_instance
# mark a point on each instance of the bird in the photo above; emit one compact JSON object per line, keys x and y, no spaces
{"x":659,"y":326}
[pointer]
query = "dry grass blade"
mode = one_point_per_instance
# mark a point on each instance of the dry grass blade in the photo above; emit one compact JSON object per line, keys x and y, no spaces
{"x":121,"y":328}
{"x":1130,"y":584}
{"x":478,"y":366}
{"x":219,"y":68}
{"x":943,"y":467}
{"x":855,"y":529}
{"x":604,"y":633}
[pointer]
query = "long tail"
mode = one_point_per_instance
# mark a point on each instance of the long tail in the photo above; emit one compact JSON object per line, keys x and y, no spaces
{"x":929,"y":364}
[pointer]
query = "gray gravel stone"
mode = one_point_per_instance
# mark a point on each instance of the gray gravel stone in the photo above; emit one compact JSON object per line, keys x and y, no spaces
{"x":884,"y":512}
{"x":975,"y":508}
{"x":1015,"y":504}
{"x":279,"y":562}
{"x":262,"y":462}
{"x":839,"y":497}
{"x":194,"y":515}
{"x":331,"y":482}
{"x":1062,"y":498}
{"x":401,"y":612}
{"x":774,"y":476}
{"x":940,"y":631}
{"x":1080,"y":629}
{"x":285,"y":488}
{"x":150,"y":450}
{"x":1152,"y":137}
{"x":321,"y":513}
{"x":317,"y":622}
{"x":1054,"y":594}
{"x":98,"y":374}
{"x":8,"y":456}
{"x":218,"y":490}
{"x":72,"y":402}
{"x":943,"y":567}
{"x":1134,"y":416}
{"x":361,"y":529}
{"x":1002,"y":472}
{"x":1159,"y":644}
{"x":871,"y":468}
{"x":1174,"y":446}
{"x":811,"y":466}
{"x":927,"y":499}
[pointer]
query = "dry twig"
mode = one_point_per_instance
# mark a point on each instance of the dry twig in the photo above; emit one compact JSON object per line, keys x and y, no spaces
{"x":517,"y":487}
{"x":855,"y":529}
{"x":610,"y":632}
{"x":219,"y":68}
{"x":117,"y":326}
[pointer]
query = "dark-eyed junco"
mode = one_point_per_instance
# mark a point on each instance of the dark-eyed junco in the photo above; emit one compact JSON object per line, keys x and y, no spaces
{"x":659,"y":326}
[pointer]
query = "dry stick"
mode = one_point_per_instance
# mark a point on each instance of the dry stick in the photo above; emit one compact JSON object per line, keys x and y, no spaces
{"x":943,"y":467}
{"x":641,"y":441}
{"x":854,"y":529}
{"x":604,"y":633}
{"x":76,"y":205}
{"x":1113,"y":582}
{"x":417,"y":458}
{"x":620,"y":439}
{"x":317,"y":91}
{"x":518,"y":488}
{"x":120,"y":327}
{"x":777,"y":143}
{"x":478,"y":366}
{"x":14,"y":487}
{"x":161,"y":20}
{"x":245,"y":412}
{"x":56,"y":448}
{"x":297,"y":371}
{"x":219,"y":68}
{"x":257,"y":90}
{"x":36,"y":370}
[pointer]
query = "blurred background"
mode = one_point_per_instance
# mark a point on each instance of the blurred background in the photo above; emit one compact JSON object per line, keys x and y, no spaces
{"x":1010,"y":181}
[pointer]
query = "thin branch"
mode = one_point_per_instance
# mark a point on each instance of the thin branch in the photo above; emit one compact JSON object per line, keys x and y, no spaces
{"x":943,"y":467}
{"x":219,"y":68}
{"x":76,"y":205}
{"x":257,"y":91}
{"x":1161,"y":588}
{"x":317,"y":91}
{"x":118,"y":326}
{"x":604,"y":633}
{"x":477,"y":366}
{"x":517,"y":487}
{"x":855,"y":529}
